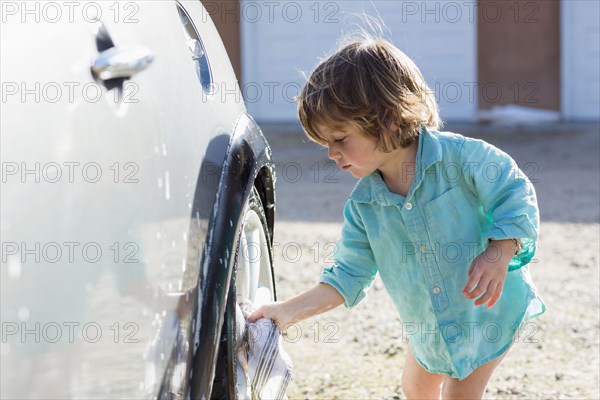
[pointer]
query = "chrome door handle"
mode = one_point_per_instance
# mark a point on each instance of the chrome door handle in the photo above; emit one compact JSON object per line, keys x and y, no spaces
{"x":121,"y":62}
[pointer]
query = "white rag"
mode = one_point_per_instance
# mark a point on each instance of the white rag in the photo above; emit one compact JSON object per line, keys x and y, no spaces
{"x":262,"y":361}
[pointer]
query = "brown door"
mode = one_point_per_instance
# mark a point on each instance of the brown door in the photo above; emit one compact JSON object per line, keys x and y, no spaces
{"x":518,"y":53}
{"x":226,"y":17}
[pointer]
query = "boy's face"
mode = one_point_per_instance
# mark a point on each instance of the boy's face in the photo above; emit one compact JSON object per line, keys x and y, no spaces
{"x":352,"y":151}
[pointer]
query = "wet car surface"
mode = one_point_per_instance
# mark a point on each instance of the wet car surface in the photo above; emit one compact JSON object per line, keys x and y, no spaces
{"x":127,"y":177}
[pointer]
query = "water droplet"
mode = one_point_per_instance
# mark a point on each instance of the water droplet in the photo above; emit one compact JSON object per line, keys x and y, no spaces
{"x":160,"y":183}
{"x":14,"y":268}
{"x":167,"y":186}
{"x":23,"y":313}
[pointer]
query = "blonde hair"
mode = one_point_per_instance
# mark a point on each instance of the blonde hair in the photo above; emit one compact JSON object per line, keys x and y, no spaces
{"x":373,"y":85}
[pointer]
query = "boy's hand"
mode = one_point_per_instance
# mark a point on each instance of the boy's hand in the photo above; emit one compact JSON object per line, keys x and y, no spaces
{"x":323,"y":297}
{"x":275,"y":311}
{"x":488,"y":272}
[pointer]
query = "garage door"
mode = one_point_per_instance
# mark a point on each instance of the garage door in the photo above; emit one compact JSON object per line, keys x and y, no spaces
{"x":283,"y":40}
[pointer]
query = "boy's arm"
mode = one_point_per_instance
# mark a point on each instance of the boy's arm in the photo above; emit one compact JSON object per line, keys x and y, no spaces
{"x":506,"y":195}
{"x":345,"y":282}
{"x":315,"y":301}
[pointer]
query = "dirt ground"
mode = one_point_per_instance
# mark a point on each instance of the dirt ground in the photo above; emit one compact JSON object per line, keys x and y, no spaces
{"x":360,"y":354}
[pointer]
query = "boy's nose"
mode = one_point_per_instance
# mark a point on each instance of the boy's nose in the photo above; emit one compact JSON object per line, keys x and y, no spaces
{"x":332,"y":153}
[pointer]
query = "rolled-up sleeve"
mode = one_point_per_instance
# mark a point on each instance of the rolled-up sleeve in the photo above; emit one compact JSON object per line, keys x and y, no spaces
{"x":354,"y":267}
{"x":506,"y":194}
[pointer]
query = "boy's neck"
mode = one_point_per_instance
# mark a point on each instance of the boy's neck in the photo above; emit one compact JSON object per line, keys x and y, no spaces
{"x":398,"y":172}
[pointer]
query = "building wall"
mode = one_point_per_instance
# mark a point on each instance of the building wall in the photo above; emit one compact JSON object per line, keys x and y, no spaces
{"x":281,"y":43}
{"x":544,"y":54}
{"x":580,"y":61}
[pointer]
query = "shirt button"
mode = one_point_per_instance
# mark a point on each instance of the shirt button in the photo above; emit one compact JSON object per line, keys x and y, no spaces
{"x":423,"y":248}
{"x":408,"y":206}
{"x":436,"y":290}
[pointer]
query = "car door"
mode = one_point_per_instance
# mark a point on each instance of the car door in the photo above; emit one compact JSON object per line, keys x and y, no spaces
{"x":91,"y":270}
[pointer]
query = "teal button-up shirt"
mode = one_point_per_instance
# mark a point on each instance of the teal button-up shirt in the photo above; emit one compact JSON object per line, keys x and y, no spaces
{"x":464,"y":193}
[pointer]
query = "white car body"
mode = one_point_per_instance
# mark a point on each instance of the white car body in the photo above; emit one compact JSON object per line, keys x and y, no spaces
{"x":97,"y":195}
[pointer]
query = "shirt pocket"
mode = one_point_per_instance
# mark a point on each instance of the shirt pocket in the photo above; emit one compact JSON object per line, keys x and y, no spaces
{"x":453,"y":226}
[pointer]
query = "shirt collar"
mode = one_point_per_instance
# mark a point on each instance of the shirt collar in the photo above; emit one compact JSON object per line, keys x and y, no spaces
{"x":372,"y":188}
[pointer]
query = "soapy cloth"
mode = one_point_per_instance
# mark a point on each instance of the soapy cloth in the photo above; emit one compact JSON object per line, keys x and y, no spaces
{"x":264,"y":369}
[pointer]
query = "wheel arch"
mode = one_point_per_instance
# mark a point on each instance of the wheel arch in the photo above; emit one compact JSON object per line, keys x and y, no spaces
{"x":247,"y":164}
{"x":265,"y":184}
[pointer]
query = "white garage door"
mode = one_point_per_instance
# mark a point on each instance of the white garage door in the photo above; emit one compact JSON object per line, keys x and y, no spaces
{"x":280,"y":40}
{"x":580,"y":59}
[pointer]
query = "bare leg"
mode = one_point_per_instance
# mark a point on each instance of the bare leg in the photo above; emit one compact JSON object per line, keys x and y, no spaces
{"x":473,"y":386}
{"x":418,"y":383}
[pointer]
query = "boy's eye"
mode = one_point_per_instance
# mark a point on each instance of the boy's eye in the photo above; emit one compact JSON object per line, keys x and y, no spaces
{"x":341,"y":140}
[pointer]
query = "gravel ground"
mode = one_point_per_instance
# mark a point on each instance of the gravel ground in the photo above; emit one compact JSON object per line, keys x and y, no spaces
{"x":360,"y":354}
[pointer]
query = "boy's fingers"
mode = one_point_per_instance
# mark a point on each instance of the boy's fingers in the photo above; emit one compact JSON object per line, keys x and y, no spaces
{"x":489,"y":292}
{"x":473,"y":279}
{"x":256,"y":315}
{"x":471,"y":268}
{"x":482,"y":286}
{"x":479,"y":289}
{"x":496,"y":296}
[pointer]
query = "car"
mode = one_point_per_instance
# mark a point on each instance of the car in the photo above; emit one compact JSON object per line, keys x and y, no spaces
{"x":138,"y":202}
